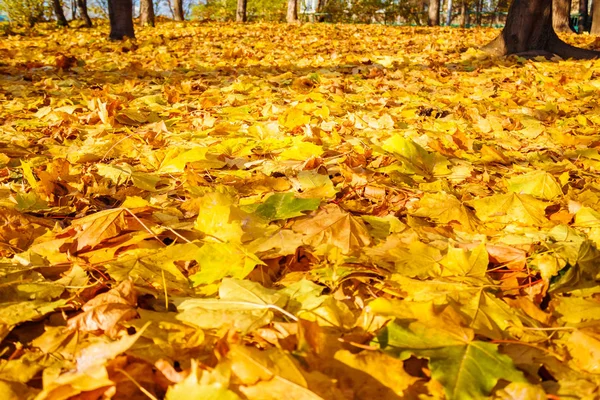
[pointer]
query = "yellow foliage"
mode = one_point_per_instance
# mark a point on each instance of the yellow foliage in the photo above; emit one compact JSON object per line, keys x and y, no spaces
{"x":311,"y":211}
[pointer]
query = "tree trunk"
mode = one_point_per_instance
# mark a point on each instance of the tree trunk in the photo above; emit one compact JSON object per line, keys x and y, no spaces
{"x":434,"y":13}
{"x":73,"y":9}
{"x":240,"y":13}
{"x":83,"y":13}
{"x":464,"y":16}
{"x":561,"y":13}
{"x":595,"y":18}
{"x":178,"y":10}
{"x":528,"y":32}
{"x":120,"y":13}
{"x":146,"y":13}
{"x":449,"y":16}
{"x":500,"y":7}
{"x":292,"y":11}
{"x":479,"y":10}
{"x":583,"y":15}
{"x":321,"y":5}
{"x":61,"y":20}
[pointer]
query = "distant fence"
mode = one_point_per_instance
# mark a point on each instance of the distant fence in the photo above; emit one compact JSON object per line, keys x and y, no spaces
{"x":485,"y":19}
{"x":493,"y":19}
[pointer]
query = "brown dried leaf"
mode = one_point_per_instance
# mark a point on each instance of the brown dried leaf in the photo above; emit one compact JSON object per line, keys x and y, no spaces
{"x":107,"y":311}
{"x":332,"y":225}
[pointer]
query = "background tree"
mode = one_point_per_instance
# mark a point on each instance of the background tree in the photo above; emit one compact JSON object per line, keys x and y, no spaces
{"x":449,"y":15}
{"x":24,"y":12}
{"x":434,"y":13}
{"x":177,"y":10}
{"x":464,"y":14}
{"x":83,"y":13}
{"x":240,"y":12}
{"x":98,"y":7}
{"x":583,"y":15}
{"x":146,"y":13}
{"x":59,"y":13}
{"x":595,"y":18}
{"x":226,"y":10}
{"x":478,"y":9}
{"x":561,"y":13}
{"x":528,"y":31}
{"x":120,"y":14}
{"x":292,"y":11}
{"x":501,"y":6}
{"x":321,"y":8}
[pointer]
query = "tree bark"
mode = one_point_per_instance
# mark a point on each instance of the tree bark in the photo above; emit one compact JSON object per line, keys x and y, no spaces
{"x":120,"y":14}
{"x":240,"y":13}
{"x":146,"y":13}
{"x":528,"y":32}
{"x":83,"y":13}
{"x":464,"y":14}
{"x":583,"y":15}
{"x":321,"y":6}
{"x":292,"y":11}
{"x":561,"y":13}
{"x":178,"y":10}
{"x":595,"y":18}
{"x":61,"y":20}
{"x":449,"y":16}
{"x":479,"y":10}
{"x":434,"y":13}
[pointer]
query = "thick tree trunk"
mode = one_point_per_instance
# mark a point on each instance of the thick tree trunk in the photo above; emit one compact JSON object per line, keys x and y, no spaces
{"x":292,"y":11}
{"x":83,"y":13}
{"x":583,"y":15}
{"x":240,"y":12}
{"x":434,"y":13}
{"x":561,"y":13}
{"x":120,"y":13}
{"x":529,"y":32}
{"x":178,"y":10}
{"x":146,"y":13}
{"x":61,"y":20}
{"x":595,"y":18}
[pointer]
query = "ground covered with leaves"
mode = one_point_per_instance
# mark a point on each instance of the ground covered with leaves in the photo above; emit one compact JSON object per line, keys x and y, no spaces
{"x":296,"y":212}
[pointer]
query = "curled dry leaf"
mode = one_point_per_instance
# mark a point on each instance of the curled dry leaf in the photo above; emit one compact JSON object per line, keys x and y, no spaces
{"x":106,"y":311}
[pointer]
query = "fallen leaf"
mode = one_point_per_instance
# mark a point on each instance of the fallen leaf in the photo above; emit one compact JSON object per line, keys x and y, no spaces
{"x":334,"y":226}
{"x":107,"y":311}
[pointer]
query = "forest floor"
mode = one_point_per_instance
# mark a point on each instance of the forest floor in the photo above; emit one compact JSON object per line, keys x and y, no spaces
{"x":263,"y":211}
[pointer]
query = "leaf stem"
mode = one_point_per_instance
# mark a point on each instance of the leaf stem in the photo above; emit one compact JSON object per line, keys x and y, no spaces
{"x":557,"y":356}
{"x":142,"y":389}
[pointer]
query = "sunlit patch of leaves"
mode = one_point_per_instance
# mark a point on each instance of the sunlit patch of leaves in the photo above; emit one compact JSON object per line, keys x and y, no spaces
{"x":315,"y":211}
